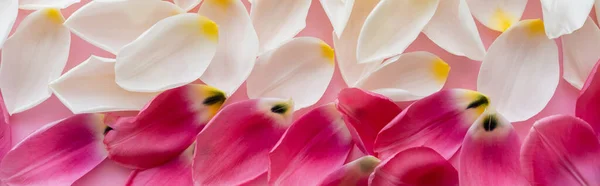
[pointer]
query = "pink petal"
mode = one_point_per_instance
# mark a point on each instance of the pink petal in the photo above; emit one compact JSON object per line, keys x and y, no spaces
{"x":176,"y":172}
{"x":354,"y":173}
{"x":561,"y":150}
{"x":57,"y":154}
{"x":5,"y":133}
{"x":233,"y":148}
{"x":164,"y":128}
{"x":439,"y":121}
{"x":588,"y":103}
{"x":367,"y":113}
{"x":419,"y":166}
{"x":317,"y":144}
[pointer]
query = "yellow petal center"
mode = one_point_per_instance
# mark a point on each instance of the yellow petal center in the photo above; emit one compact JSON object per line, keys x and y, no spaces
{"x":327,"y":52}
{"x":440,"y":70}
{"x":209,"y":29}
{"x":502,"y":20}
{"x":54,"y":15}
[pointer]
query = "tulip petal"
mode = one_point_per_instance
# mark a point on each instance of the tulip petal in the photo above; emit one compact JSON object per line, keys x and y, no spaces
{"x":237,"y":48}
{"x":366,"y":114}
{"x":5,"y":132}
{"x":176,"y":172}
{"x":452,"y":27}
{"x":588,"y":103}
{"x":497,"y":15}
{"x":561,"y":150}
{"x":57,"y":154}
{"x":490,"y":153}
{"x":111,"y":25}
{"x":41,"y":4}
{"x":314,"y":146}
{"x":419,"y":166}
{"x":233,"y":148}
{"x":32,"y":57}
{"x":173,"y":52}
{"x":355,"y":173}
{"x":300,"y":69}
{"x":391,"y":27}
{"x":597,"y":8}
{"x":8,"y":15}
{"x":416,"y":75}
{"x":187,"y":5}
{"x":439,"y":121}
{"x":580,"y":53}
{"x":564,"y":16}
{"x":165,"y":128}
{"x":276,"y":21}
{"x":520,"y":71}
{"x":338,"y":13}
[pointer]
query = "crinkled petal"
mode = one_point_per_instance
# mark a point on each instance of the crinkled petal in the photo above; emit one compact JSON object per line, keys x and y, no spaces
{"x":564,"y":16}
{"x":338,"y":12}
{"x":355,"y":173}
{"x":391,"y":27}
{"x":520,"y":71}
{"x":32,"y":57}
{"x":276,"y":21}
{"x":497,"y":15}
{"x":561,"y":150}
{"x":439,"y":121}
{"x":8,"y":15}
{"x":41,"y":4}
{"x":57,"y":154}
{"x":588,"y":102}
{"x":173,"y":52}
{"x":580,"y":53}
{"x":234,"y":147}
{"x":188,"y":5}
{"x":300,"y":69}
{"x":176,"y":172}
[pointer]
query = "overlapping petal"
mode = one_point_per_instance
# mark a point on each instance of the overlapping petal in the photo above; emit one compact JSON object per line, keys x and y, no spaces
{"x":588,"y":102}
{"x":5,"y":132}
{"x":41,"y":4}
{"x":497,"y":15}
{"x":355,"y":173}
{"x":580,"y":53}
{"x":276,"y":21}
{"x":338,"y":13}
{"x":176,"y":172}
{"x":187,"y":5}
{"x":8,"y":15}
{"x":564,"y":16}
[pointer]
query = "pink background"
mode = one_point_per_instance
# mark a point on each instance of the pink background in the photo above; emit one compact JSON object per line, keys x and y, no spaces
{"x":462,"y":75}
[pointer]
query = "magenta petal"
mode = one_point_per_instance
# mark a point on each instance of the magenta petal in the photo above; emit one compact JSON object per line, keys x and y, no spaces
{"x":234,"y":147}
{"x":561,"y":150}
{"x":366,"y":113}
{"x":439,"y":121}
{"x":588,"y":103}
{"x":5,"y":133}
{"x":165,"y":128}
{"x":57,"y":154}
{"x":176,"y":172}
{"x":315,"y":145}
{"x":419,"y":166}
{"x":354,"y":173}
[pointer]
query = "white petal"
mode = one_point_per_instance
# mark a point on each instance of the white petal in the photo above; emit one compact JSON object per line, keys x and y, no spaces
{"x":8,"y":15}
{"x":564,"y":16}
{"x":91,"y":87}
{"x":453,"y":28}
{"x":173,"y":52}
{"x":391,"y":27}
{"x":408,"y":77}
{"x":497,"y":15}
{"x":520,"y":71}
{"x":40,"y":4}
{"x":113,"y":24}
{"x":32,"y":57}
{"x":580,"y":53}
{"x":300,"y":69}
{"x":238,"y":45}
{"x":338,"y":12}
{"x":277,"y":21}
{"x":187,"y":5}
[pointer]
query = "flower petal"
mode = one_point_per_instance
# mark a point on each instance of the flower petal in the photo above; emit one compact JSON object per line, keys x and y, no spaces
{"x":41,"y":4}
{"x":338,"y":12}
{"x":32,"y":57}
{"x":416,"y":75}
{"x":111,"y":25}
{"x":276,"y":21}
{"x":439,"y":121}
{"x":165,"y":128}
{"x":300,"y":69}
{"x":314,"y":146}
{"x":419,"y":166}
{"x":366,"y":114}
{"x":8,"y":15}
{"x":490,"y":153}
{"x":391,"y":27}
{"x":588,"y":103}
{"x":238,"y":45}
{"x":561,"y":150}
{"x":239,"y":139}
{"x":187,"y":5}
{"x":497,"y":15}
{"x":452,"y":27}
{"x":176,"y":172}
{"x":520,"y":71}
{"x":580,"y":53}
{"x":564,"y":16}
{"x":174,"y":52}
{"x":5,"y":132}
{"x":355,"y":173}
{"x":57,"y":154}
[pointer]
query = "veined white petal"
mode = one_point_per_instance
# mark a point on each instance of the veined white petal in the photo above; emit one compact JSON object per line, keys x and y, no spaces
{"x":580,"y":53}
{"x":110,"y":25}
{"x":187,"y":5}
{"x":300,"y":69}
{"x":497,"y":15}
{"x":564,"y":16}
{"x":91,"y":87}
{"x":32,"y":57}
{"x":173,"y":52}
{"x":408,"y":77}
{"x":338,"y":12}
{"x":40,"y":4}
{"x":277,"y":21}
{"x":453,"y":28}
{"x":8,"y":15}
{"x":520,"y":71}
{"x":391,"y":27}
{"x":238,"y":45}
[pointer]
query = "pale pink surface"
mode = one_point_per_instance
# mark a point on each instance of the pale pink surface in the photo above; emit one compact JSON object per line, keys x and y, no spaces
{"x":463,"y":74}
